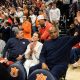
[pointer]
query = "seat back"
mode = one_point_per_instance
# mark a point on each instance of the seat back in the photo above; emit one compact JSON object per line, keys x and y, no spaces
{"x":46,"y":73}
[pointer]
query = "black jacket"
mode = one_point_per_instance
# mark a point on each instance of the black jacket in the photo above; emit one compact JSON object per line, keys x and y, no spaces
{"x":14,"y":48}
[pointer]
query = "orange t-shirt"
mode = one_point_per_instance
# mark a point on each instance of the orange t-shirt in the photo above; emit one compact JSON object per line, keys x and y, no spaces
{"x":27,"y":29}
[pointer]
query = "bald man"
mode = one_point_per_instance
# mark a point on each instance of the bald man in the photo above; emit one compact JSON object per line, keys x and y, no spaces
{"x":55,"y":53}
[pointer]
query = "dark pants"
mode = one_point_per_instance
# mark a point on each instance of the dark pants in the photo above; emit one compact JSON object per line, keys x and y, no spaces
{"x":74,"y":55}
{"x":57,"y":70}
{"x":38,"y":66}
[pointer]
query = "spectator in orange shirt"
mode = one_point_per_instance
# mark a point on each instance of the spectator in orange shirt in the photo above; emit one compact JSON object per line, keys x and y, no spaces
{"x":26,"y":25}
{"x":44,"y":28}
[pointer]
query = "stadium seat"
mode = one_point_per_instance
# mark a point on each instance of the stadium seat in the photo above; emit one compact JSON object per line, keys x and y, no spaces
{"x":33,"y":75}
{"x":21,"y":74}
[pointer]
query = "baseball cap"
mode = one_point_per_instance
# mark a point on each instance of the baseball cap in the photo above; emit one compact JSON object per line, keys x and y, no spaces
{"x":40,"y":17}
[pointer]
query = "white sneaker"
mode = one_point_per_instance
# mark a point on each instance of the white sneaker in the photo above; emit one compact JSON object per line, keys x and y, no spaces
{"x":75,"y":65}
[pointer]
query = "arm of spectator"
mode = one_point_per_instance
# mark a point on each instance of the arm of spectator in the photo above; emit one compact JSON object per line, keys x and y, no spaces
{"x":45,"y":35}
{"x":44,"y":66}
{"x":43,"y":53}
{"x":38,"y":51}
{"x":76,"y":37}
{"x":28,"y":52}
{"x":76,"y":33}
{"x":20,"y":57}
{"x":7,"y":46}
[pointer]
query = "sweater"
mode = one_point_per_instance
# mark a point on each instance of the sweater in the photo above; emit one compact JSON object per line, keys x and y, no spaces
{"x":57,"y":51}
{"x":14,"y":48}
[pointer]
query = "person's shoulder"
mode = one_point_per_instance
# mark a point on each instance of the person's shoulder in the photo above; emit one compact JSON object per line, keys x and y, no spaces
{"x":2,"y":41}
{"x":26,"y":40}
{"x":47,"y":41}
{"x":12,"y":39}
{"x":64,"y":37}
{"x":48,"y":24}
{"x":34,"y":15}
{"x":58,"y":9}
{"x":51,"y":9}
{"x":40,"y":43}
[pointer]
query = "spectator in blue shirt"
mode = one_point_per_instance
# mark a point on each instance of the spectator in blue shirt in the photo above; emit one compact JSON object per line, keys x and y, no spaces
{"x":55,"y":53}
{"x":16,"y":46}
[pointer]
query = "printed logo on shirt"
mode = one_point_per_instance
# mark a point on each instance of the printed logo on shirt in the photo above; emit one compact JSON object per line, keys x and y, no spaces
{"x":23,"y":42}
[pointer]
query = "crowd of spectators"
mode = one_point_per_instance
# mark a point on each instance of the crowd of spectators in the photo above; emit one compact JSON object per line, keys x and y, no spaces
{"x":31,"y":32}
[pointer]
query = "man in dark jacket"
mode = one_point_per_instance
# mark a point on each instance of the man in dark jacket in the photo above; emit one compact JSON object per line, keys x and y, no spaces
{"x":55,"y":53}
{"x":16,"y":46}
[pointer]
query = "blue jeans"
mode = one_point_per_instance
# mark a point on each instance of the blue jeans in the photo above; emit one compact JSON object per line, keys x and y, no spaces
{"x":74,"y":55}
